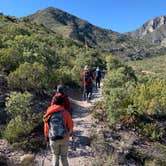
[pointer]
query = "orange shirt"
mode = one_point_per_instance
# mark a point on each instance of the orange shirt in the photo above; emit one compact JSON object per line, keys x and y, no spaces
{"x":66,"y":116}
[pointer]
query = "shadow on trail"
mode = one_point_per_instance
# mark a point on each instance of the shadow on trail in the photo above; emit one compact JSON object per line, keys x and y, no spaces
{"x":80,"y":112}
{"x":80,"y":107}
{"x":79,"y":145}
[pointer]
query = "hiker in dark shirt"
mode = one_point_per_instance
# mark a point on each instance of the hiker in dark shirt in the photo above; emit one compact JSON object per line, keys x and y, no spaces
{"x":97,"y":77}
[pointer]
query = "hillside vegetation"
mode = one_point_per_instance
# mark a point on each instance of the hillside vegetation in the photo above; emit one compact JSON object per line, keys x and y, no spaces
{"x":155,"y":67}
{"x":134,"y":111}
{"x":33,"y":60}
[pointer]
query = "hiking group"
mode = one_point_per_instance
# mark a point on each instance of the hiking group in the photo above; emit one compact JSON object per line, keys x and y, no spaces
{"x":88,"y":77}
{"x":58,"y":123}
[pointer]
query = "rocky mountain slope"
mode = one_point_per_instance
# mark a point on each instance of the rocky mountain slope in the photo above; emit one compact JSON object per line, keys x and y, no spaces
{"x":93,"y":36}
{"x":153,"y":31}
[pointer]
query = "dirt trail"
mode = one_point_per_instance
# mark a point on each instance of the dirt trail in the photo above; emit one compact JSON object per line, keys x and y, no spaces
{"x":80,"y":153}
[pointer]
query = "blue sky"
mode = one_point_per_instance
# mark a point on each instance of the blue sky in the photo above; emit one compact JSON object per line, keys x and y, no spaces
{"x":118,"y":15}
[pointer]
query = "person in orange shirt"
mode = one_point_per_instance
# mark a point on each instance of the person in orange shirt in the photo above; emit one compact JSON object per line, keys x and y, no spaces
{"x":58,"y":126}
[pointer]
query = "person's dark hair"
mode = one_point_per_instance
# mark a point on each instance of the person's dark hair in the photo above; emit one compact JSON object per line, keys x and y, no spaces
{"x":58,"y":100}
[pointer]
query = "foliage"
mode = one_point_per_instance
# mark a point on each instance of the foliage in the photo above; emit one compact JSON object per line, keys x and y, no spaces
{"x":19,"y":104}
{"x":17,"y":128}
{"x":151,"y":130}
{"x":134,"y":102}
{"x":21,"y":123}
{"x":118,"y":87}
{"x":151,"y":67}
{"x":10,"y":59}
{"x":150,"y":98}
{"x":32,"y":77}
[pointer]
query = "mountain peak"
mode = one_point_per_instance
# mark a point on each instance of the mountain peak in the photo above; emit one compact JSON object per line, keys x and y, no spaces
{"x":155,"y":23}
{"x":90,"y":35}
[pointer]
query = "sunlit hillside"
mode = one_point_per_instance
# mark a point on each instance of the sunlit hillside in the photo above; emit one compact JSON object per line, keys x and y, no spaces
{"x":152,"y":66}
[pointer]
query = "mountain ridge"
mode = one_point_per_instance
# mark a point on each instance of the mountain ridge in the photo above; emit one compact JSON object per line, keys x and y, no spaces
{"x":104,"y":40}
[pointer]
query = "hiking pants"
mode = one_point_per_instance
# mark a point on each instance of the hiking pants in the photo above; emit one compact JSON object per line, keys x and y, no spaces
{"x":97,"y":83}
{"x":59,"y":150}
{"x":88,"y":91}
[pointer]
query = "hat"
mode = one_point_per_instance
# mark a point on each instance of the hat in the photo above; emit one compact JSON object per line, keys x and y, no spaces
{"x":60,"y":88}
{"x":86,"y":68}
{"x":97,"y":69}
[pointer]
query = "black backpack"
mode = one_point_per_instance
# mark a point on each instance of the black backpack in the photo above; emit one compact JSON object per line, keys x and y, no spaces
{"x":87,"y":77}
{"x":57,"y":127}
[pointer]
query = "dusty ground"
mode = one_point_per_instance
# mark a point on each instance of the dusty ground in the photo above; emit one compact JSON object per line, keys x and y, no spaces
{"x":80,"y":153}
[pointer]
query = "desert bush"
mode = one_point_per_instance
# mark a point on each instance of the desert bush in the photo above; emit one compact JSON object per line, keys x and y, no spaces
{"x":10,"y":58}
{"x":150,"y":98}
{"x":118,"y":87}
{"x":134,"y":103}
{"x":18,"y":105}
{"x":151,"y":130}
{"x":30,"y":77}
{"x":17,"y":128}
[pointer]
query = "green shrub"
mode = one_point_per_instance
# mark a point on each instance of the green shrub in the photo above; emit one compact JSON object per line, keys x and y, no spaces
{"x":63,"y":76}
{"x":18,"y":105}
{"x":32,"y":77}
{"x":150,"y":98}
{"x":10,"y":58}
{"x":17,"y":128}
{"x":151,"y":130}
{"x":118,"y":87}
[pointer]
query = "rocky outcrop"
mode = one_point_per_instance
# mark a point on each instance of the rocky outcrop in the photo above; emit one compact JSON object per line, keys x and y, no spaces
{"x":153,"y":31}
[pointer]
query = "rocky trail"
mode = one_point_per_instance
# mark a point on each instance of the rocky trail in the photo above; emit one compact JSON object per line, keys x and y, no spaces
{"x":80,"y":153}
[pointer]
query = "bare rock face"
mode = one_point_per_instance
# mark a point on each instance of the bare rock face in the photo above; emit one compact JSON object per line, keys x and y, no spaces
{"x":153,"y":31}
{"x":154,"y":24}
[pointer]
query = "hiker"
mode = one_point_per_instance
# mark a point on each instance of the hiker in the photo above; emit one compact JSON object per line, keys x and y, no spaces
{"x":58,"y":126}
{"x":87,"y":78}
{"x":60,"y":91}
{"x":97,"y":77}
